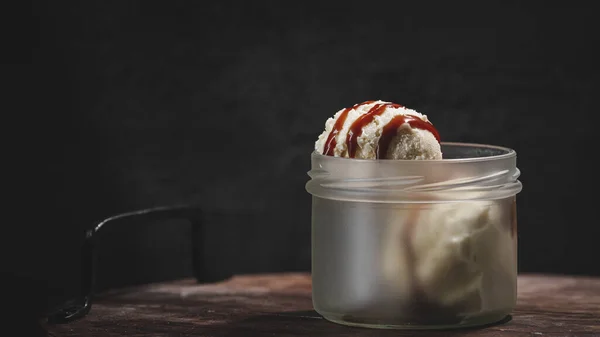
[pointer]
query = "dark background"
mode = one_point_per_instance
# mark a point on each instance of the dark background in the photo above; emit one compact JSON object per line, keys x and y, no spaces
{"x":138,"y":104}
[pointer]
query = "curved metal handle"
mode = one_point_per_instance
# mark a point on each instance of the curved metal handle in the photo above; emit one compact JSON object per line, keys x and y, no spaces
{"x":81,"y":306}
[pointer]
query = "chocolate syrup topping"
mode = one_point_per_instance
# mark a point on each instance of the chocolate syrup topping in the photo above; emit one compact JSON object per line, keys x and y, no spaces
{"x":388,"y":132}
{"x":330,"y":143}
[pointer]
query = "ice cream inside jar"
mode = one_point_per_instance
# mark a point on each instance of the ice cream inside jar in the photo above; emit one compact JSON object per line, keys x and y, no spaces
{"x":408,"y":232}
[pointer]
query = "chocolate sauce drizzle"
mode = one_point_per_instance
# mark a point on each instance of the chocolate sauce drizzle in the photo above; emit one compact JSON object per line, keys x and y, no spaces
{"x":330,"y":143}
{"x":389,"y":130}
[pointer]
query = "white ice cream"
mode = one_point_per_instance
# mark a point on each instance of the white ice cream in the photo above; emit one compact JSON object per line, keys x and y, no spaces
{"x":452,"y":247}
{"x":409,"y":143}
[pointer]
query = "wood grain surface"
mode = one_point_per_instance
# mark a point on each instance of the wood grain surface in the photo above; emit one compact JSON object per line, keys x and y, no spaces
{"x":280,"y":305}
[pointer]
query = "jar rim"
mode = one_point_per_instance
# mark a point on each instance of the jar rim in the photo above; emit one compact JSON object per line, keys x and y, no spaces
{"x":506,"y":153}
{"x":471,"y":172}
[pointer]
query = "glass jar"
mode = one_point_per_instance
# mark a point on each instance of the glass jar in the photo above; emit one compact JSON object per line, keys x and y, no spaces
{"x":417,"y":244}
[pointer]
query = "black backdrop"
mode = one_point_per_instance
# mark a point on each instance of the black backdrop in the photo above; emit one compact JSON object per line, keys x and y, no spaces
{"x":138,"y":104}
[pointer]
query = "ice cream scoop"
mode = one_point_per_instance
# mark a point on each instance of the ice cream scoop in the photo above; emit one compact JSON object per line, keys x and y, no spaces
{"x":379,"y":130}
{"x":446,"y":251}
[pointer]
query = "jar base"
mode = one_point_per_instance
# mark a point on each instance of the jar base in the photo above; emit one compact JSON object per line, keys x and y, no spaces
{"x":472,"y":321}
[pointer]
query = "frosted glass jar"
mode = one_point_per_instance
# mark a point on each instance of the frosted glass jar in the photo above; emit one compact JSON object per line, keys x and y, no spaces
{"x":417,"y":244}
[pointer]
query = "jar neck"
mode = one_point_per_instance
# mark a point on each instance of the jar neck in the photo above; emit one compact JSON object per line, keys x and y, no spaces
{"x":485,"y":178}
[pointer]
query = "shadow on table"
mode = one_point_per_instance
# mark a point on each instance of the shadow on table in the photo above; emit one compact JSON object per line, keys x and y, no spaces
{"x":310,"y":323}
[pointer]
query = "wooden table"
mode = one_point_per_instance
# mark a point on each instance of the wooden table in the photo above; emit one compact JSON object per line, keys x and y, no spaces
{"x":280,"y":305}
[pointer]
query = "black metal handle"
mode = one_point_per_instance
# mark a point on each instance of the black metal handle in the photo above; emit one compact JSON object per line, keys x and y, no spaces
{"x":81,"y":306}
